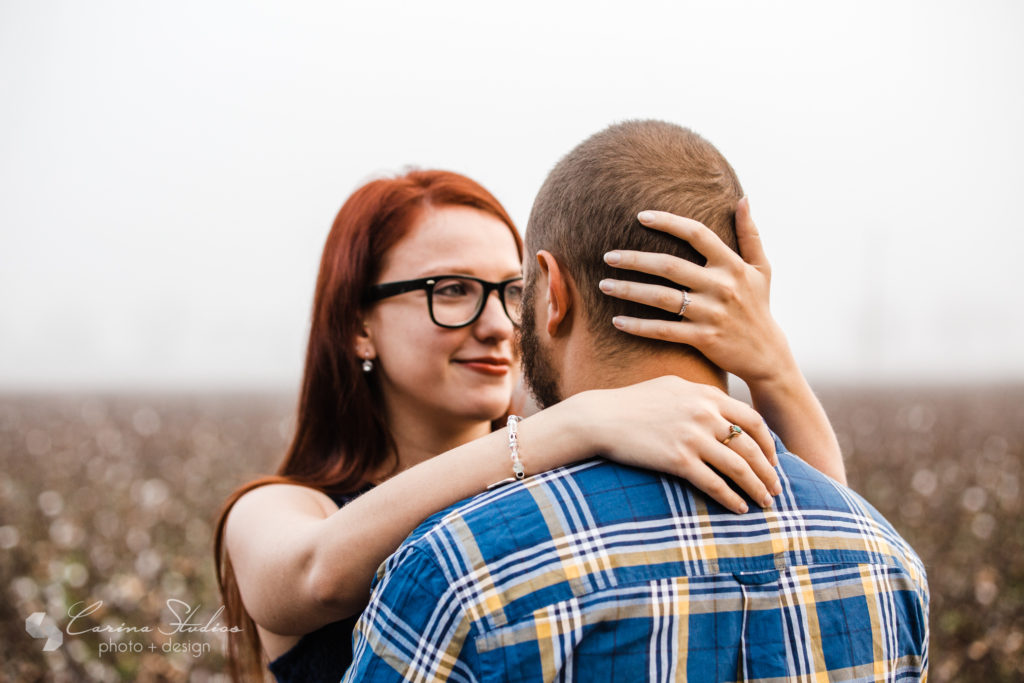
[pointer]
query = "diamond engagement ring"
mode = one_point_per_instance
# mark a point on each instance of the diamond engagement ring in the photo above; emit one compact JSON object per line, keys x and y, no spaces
{"x":734,"y":431}
{"x":686,"y":302}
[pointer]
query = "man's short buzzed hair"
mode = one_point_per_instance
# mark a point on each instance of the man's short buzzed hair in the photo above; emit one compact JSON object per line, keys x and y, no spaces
{"x":589,"y":202}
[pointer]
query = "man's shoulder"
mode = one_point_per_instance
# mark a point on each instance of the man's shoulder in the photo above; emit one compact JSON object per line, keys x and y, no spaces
{"x":495,"y":513}
{"x":517,"y":506}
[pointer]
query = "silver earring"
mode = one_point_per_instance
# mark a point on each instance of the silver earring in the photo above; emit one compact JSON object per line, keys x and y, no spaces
{"x":367,"y":365}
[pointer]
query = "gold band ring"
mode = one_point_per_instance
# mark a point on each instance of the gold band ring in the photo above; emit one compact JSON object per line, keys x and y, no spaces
{"x":734,"y":431}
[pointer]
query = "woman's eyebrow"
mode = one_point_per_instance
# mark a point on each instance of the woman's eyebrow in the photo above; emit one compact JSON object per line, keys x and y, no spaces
{"x":463,"y":270}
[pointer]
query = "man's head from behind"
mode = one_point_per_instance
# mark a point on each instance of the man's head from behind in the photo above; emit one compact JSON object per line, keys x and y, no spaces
{"x":587,"y":207}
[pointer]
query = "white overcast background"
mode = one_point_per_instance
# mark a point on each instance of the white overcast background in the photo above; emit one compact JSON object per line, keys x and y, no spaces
{"x":169,"y":171}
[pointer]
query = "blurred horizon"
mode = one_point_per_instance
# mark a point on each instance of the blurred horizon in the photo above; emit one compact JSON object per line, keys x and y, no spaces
{"x":878,"y":385}
{"x":117,"y":385}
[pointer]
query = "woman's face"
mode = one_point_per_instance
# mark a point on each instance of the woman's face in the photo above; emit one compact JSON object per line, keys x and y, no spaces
{"x":448,"y":376}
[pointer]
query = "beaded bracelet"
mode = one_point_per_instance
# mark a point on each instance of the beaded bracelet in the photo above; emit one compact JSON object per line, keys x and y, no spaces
{"x":513,"y":448}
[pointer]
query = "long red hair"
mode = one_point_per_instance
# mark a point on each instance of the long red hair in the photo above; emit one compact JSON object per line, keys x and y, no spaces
{"x":340,"y":432}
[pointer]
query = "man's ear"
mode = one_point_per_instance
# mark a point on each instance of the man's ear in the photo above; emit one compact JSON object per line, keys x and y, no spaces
{"x":559,"y":299}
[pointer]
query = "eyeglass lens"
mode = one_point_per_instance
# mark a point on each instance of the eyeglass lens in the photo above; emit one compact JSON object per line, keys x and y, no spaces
{"x":456,"y":301}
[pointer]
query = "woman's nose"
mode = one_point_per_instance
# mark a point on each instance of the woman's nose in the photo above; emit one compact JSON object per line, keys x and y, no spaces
{"x":493,"y":321}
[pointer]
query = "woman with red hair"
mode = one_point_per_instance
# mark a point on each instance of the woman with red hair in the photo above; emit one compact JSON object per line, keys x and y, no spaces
{"x":409,"y":374}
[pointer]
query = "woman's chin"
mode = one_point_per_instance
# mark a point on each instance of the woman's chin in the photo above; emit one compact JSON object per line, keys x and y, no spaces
{"x":490,"y":410}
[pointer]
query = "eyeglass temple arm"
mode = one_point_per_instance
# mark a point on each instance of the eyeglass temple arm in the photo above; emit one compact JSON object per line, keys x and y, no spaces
{"x":389,"y":289}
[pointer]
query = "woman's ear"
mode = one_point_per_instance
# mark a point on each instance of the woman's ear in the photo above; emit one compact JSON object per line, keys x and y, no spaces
{"x":555,"y":283}
{"x":363,"y":343}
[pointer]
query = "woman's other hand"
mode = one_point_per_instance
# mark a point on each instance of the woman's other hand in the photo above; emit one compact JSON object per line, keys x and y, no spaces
{"x":727,"y":316}
{"x":677,"y":427}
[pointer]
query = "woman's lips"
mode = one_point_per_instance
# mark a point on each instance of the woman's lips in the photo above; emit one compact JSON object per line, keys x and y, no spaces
{"x":486,"y":366}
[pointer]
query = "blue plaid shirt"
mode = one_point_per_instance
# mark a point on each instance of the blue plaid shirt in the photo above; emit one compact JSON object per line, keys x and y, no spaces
{"x":599,"y":572}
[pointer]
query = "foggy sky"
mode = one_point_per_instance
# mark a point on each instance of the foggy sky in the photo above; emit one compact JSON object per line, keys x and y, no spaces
{"x":170,"y":171}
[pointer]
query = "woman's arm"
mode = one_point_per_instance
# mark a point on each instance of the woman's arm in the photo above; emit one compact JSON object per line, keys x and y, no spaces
{"x":728,"y":320}
{"x":301,"y":563}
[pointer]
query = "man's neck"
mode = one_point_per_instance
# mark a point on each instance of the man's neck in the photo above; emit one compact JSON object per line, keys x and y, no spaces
{"x":592,"y":369}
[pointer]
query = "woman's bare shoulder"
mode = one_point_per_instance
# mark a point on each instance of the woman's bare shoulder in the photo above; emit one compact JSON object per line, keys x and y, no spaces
{"x":271,"y":502}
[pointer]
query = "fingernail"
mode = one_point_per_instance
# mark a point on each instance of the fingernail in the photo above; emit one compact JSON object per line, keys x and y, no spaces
{"x":612,"y":257}
{"x":776,"y":488}
{"x":767,"y":503}
{"x":645,"y":216}
{"x":607,"y":286}
{"x":743,"y":508}
{"x":618,"y":322}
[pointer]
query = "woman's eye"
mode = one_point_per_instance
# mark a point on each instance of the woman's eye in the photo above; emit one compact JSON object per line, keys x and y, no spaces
{"x":450,"y":288}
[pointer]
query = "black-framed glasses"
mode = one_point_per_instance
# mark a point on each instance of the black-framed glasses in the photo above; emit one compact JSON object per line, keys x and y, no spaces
{"x":457,"y":300}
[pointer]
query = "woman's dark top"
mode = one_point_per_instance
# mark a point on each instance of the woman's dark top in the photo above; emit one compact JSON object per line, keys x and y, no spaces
{"x":324,"y":654}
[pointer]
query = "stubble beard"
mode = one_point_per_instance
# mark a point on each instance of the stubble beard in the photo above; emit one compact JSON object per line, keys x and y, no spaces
{"x":538,"y":370}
